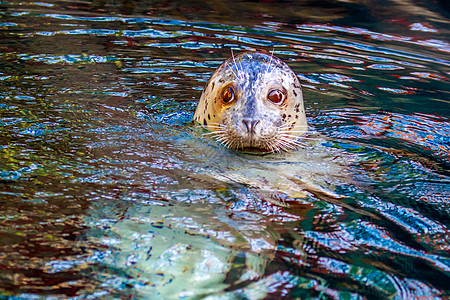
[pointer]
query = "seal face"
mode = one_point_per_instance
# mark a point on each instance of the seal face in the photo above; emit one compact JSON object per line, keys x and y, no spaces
{"x":253,"y":102}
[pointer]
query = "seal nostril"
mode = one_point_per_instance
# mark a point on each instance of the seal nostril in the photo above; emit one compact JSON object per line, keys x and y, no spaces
{"x":250,"y":125}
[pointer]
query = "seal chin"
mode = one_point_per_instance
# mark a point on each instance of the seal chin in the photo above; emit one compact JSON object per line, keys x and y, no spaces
{"x":255,"y":146}
{"x":255,"y":151}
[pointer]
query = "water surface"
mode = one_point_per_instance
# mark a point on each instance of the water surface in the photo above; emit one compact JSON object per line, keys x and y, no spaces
{"x":107,"y":189}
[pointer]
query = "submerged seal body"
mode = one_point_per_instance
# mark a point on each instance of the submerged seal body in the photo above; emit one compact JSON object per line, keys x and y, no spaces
{"x":253,"y":102}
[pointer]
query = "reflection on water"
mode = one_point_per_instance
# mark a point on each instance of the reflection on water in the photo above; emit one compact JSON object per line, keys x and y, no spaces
{"x":108,"y":190}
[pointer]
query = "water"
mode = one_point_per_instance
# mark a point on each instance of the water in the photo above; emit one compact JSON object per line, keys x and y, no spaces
{"x":107,"y":189}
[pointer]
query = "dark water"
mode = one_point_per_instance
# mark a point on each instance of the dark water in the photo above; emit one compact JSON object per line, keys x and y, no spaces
{"x":107,"y":191}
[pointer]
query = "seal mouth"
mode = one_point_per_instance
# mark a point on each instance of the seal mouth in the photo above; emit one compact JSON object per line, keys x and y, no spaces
{"x":254,"y":150}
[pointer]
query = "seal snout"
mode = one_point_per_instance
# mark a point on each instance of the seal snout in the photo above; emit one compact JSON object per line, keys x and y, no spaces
{"x":250,"y":126}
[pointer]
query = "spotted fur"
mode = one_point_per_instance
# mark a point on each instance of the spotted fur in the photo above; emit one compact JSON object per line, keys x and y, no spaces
{"x":251,"y":121}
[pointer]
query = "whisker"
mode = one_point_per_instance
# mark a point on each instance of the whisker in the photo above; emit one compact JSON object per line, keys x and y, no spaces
{"x":309,"y":138}
{"x":210,"y":133}
{"x":289,"y":135}
{"x":222,"y":138}
{"x":228,"y":143}
{"x":237,"y":68}
{"x":274,"y":147}
{"x":299,"y":137}
{"x":295,"y":142}
{"x":214,"y":133}
{"x":232,"y":71}
{"x":270,"y":61}
{"x":270,"y":147}
{"x":287,"y":146}
{"x":293,"y":131}
{"x":292,"y":141}
{"x":216,"y":126}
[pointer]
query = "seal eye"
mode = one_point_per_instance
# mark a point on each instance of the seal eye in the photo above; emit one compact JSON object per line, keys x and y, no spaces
{"x":276,"y":96}
{"x":227,"y":94}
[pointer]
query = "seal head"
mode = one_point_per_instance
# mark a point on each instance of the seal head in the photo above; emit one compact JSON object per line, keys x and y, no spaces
{"x":254,"y":103}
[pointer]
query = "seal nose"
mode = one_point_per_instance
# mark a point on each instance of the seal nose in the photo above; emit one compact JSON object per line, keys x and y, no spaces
{"x":250,"y":125}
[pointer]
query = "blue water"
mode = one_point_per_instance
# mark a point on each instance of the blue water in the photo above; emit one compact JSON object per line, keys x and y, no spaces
{"x":108,"y":190}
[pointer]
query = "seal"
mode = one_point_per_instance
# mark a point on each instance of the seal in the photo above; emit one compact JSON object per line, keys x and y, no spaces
{"x":253,"y":103}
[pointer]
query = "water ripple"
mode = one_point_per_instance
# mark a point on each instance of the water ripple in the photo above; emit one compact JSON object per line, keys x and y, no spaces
{"x":107,"y":188}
